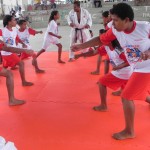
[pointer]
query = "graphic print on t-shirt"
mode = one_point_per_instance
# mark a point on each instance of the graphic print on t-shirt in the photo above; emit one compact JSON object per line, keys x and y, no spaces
{"x":112,"y":63}
{"x":9,"y":41}
{"x":133,"y":53}
{"x":25,"y":40}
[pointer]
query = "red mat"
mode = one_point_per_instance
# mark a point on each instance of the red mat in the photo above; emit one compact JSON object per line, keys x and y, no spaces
{"x":58,"y":114}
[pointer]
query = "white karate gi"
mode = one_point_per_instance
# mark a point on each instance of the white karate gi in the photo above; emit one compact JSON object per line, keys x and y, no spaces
{"x":81,"y":33}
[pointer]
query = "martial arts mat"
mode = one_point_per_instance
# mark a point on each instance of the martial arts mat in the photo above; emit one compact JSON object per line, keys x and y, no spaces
{"x":58,"y":114}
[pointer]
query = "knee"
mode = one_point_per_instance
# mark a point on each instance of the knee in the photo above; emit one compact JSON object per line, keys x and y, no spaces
{"x":9,"y":74}
{"x":21,"y":63}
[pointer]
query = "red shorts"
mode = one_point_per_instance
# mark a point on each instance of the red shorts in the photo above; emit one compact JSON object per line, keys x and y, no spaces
{"x":137,"y":87}
{"x":109,"y":80}
{"x":24,"y":56}
{"x":10,"y":60}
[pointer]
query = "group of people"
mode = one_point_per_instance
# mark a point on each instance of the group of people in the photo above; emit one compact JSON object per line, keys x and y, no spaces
{"x":125,"y":43}
{"x":44,"y":4}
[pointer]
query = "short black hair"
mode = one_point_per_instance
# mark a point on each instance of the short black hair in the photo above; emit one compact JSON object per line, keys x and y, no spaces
{"x":77,"y":3}
{"x":123,"y":11}
{"x":115,"y":43}
{"x":20,"y":22}
{"x":105,"y":14}
{"x":7,"y":19}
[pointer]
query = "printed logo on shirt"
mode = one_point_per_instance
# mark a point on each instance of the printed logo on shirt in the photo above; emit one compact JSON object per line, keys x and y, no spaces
{"x":9,"y":41}
{"x":133,"y":53}
{"x":112,"y":63}
{"x":25,"y":40}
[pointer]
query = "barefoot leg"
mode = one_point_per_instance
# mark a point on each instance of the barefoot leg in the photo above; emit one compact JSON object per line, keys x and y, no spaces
{"x":96,"y":72}
{"x":128,"y":132}
{"x":103,"y":94}
{"x":106,"y":70}
{"x":35,"y":64}
{"x":59,"y":53}
{"x":40,"y":52}
{"x":22,"y":74}
{"x":117,"y":93}
{"x":10,"y":87}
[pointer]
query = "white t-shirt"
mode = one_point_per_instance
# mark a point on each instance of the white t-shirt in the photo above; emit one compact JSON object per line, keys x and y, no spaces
{"x":52,"y":27}
{"x":109,"y":25}
{"x":133,"y":43}
{"x":24,"y":36}
{"x":9,"y":37}
{"x":117,"y":57}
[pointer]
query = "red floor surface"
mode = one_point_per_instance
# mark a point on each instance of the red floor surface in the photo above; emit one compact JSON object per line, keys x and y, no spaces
{"x":58,"y":114}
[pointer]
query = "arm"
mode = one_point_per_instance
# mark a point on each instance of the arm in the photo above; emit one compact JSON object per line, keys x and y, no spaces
{"x":70,"y":23}
{"x":105,"y":39}
{"x":21,"y":42}
{"x":145,"y":55}
{"x":17,"y":50}
{"x":125,"y":64}
{"x":33,"y":32}
{"x":91,"y":43}
{"x":89,"y":21}
{"x":52,"y":34}
{"x":37,"y":32}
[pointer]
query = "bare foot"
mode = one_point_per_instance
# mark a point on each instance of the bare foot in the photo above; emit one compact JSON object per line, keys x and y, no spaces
{"x":16,"y":102}
{"x":95,"y":72}
{"x":116,"y":93}
{"x":71,"y":60}
{"x":60,"y":61}
{"x":27,"y":83}
{"x":100,"y":108}
{"x":123,"y":135}
{"x":39,"y":71}
{"x":76,"y":57}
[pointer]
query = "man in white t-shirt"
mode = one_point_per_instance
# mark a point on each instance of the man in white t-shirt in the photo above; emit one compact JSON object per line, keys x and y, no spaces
{"x":134,"y":37}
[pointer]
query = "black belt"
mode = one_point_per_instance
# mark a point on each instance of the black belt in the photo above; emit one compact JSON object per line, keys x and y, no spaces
{"x":76,"y":29}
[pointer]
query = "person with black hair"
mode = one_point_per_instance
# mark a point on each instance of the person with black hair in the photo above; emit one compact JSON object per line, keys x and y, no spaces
{"x":119,"y":75}
{"x":9,"y":35}
{"x":97,"y":2}
{"x":9,"y":76}
{"x":80,"y":21}
{"x":24,"y":34}
{"x":51,"y":35}
{"x":134,"y":37}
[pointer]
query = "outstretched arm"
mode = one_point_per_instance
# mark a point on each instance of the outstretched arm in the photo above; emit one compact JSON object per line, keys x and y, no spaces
{"x":105,"y":38}
{"x":17,"y":50}
{"x":37,"y":32}
{"x":91,"y":43}
{"x":50,"y":33}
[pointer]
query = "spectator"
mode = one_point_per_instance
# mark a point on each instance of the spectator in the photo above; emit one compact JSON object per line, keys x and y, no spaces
{"x":53,"y":4}
{"x":99,"y":3}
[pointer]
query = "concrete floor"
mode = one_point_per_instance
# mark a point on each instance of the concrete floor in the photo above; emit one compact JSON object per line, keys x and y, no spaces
{"x":36,"y":41}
